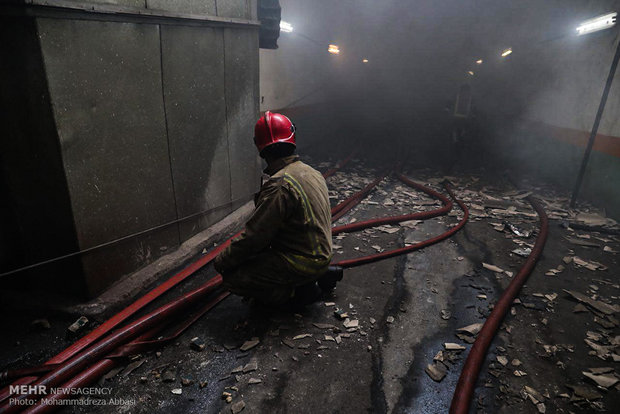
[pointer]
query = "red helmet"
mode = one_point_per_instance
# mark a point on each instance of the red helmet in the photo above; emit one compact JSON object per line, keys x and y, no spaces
{"x":273,"y":128}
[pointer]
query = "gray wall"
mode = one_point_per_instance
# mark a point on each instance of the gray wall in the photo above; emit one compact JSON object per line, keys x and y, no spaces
{"x":152,"y":121}
{"x":35,"y":209}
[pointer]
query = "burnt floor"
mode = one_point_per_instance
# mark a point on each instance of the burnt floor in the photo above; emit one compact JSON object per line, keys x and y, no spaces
{"x":407,"y":309}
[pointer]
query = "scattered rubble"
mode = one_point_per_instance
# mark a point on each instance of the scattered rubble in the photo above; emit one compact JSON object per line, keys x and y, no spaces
{"x":324,"y":325}
{"x":472,"y":329}
{"x":186,"y":381}
{"x":132,"y":367}
{"x":585,"y":392}
{"x":348,"y":323}
{"x":596,"y":304}
{"x":522,"y":251}
{"x":535,"y":397}
{"x":518,"y":231}
{"x":250,"y":366}
{"x":341,"y":314}
{"x":169,"y":375}
{"x":493,"y":268}
{"x":437,"y":371}
{"x":247,"y":345}
{"x":197,"y":344}
{"x":605,"y":380}
{"x":588,"y":264}
{"x":78,"y":325}
{"x":450,"y":346}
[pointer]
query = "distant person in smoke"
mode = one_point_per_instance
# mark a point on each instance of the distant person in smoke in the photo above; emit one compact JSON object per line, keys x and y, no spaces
{"x":283,"y":255}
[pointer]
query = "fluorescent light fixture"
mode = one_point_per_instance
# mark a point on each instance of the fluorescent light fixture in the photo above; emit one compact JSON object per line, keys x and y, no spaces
{"x":598,"y":23}
{"x":506,"y":52}
{"x":286,"y":26}
{"x":365,"y":60}
{"x":333,"y":49}
{"x":471,"y":73}
{"x":479,"y":61}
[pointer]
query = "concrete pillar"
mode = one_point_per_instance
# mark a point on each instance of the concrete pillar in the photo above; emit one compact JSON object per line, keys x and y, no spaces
{"x":124,"y":120}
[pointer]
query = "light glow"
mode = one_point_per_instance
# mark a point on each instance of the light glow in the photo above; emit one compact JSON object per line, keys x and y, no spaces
{"x":506,"y":52}
{"x":471,"y":73}
{"x":286,"y":26}
{"x":333,"y":49}
{"x":598,"y":23}
{"x":365,"y":61}
{"x":479,"y":61}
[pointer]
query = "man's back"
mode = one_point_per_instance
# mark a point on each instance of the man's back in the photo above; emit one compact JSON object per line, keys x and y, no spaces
{"x":304,"y":238}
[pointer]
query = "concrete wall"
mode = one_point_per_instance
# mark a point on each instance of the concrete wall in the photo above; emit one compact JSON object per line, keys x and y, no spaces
{"x":245,"y":9}
{"x":150,"y":123}
{"x":35,"y":208}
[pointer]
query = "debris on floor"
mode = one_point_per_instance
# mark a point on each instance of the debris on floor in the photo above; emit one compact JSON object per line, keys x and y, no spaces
{"x":78,"y":325}
{"x":249,"y":344}
{"x":197,"y":344}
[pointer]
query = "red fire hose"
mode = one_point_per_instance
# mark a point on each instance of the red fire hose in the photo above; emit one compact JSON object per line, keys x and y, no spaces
{"x":71,"y":367}
{"x":339,"y":165}
{"x":408,"y":249}
{"x":346,"y":205}
{"x":467,"y":381}
{"x":348,"y":228}
{"x":140,"y":344}
{"x":123,"y":315}
{"x":132,"y":348}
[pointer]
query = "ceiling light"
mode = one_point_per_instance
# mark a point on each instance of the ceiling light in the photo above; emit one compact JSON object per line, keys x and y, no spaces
{"x":333,"y":49}
{"x":471,"y":73}
{"x":598,"y":23}
{"x":365,"y":60}
{"x":286,"y":26}
{"x":506,"y":52}
{"x":479,"y":61}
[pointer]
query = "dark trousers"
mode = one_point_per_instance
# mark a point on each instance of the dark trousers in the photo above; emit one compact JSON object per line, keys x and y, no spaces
{"x":267,"y":277}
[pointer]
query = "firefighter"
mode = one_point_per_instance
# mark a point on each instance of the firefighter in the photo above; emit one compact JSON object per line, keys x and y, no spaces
{"x":282,"y":257}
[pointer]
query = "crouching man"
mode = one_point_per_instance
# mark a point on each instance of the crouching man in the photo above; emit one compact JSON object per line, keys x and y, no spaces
{"x":286,"y":246}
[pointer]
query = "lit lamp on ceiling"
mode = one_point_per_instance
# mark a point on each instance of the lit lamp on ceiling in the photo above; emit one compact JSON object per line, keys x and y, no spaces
{"x":333,"y":49}
{"x":285,"y":27}
{"x":506,"y":52}
{"x":603,"y":22}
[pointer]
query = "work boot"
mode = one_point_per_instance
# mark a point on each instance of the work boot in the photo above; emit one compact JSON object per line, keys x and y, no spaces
{"x":306,"y":294}
{"x":328,"y":281}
